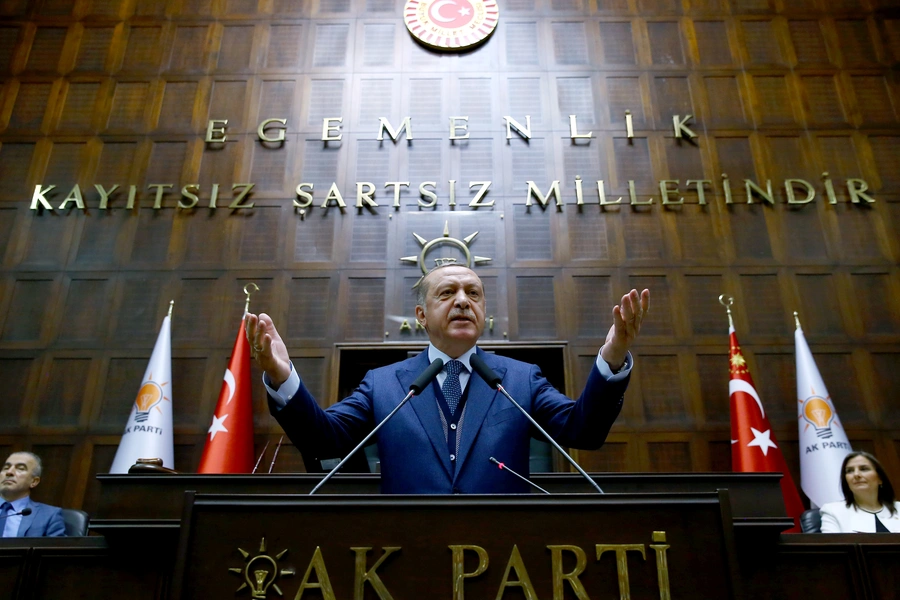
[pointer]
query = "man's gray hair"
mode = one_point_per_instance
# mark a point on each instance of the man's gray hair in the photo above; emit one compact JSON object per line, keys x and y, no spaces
{"x":38,"y":463}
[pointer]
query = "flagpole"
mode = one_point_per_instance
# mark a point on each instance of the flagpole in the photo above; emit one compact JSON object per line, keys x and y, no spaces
{"x":247,"y":291}
{"x":797,"y":320}
{"x":726,"y":301}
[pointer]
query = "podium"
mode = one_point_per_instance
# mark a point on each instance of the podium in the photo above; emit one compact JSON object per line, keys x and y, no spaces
{"x":408,"y":547}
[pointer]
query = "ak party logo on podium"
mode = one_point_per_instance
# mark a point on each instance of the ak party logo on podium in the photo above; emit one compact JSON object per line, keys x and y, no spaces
{"x":451,"y":24}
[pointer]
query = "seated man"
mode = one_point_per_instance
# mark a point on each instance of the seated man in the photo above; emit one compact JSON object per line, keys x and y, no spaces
{"x":20,"y":516}
{"x":441,"y":443}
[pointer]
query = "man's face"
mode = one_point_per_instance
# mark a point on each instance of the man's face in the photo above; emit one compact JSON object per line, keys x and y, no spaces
{"x":453,"y":314}
{"x":18,"y":476}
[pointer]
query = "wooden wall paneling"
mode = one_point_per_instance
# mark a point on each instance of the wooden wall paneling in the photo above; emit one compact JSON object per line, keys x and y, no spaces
{"x":533,"y":305}
{"x":662,"y":392}
{"x":362,"y":300}
{"x":63,"y":398}
{"x":197,"y":316}
{"x":21,"y":371}
{"x":82,"y":310}
{"x":196,"y":381}
{"x":615,"y":456}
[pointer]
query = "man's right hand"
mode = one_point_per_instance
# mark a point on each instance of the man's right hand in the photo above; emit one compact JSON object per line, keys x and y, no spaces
{"x":268,"y":347}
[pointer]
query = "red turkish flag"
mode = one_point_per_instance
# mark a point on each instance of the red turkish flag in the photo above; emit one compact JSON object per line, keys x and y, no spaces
{"x":229,"y":445}
{"x":754,"y":448}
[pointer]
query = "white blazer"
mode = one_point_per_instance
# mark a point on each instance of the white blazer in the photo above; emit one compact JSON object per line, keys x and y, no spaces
{"x":838,"y":518}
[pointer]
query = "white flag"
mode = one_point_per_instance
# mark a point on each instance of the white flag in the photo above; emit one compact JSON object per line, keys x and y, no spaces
{"x":823,"y":441}
{"x":148,"y":432}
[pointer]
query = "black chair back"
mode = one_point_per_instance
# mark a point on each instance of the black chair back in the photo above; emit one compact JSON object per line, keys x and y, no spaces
{"x":77,"y":522}
{"x":811,"y":521}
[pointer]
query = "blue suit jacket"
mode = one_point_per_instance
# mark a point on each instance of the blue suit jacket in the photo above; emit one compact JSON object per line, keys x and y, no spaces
{"x":412,"y":447}
{"x":44,"y":521}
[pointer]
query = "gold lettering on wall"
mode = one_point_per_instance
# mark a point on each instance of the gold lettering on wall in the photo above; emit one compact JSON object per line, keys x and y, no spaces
{"x":215,"y":131}
{"x":190,"y":192}
{"x":482,"y":192}
{"x":511,"y":124}
{"x":535,"y":192}
{"x":39,"y":197}
{"x":752,"y":188}
{"x":426,"y":193}
{"x":573,"y":129}
{"x":858,"y":189}
{"x":104,"y":195}
{"x":364,"y":192}
{"x":383,"y":124}
{"x":245,"y":189}
{"x":307,"y":196}
{"x":681,"y":128}
{"x":455,"y":126}
{"x":261,"y":130}
{"x":790,"y":186}
{"x":160,"y":190}
{"x":329,"y":125}
{"x":396,"y":185}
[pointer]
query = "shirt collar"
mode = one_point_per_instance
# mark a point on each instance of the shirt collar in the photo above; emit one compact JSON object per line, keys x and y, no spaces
{"x":434,"y":353}
{"x":19,"y":504}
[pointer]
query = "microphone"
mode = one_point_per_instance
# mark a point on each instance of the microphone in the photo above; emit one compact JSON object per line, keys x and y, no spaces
{"x":414,"y":390}
{"x":491,"y":378}
{"x":503,"y":467}
{"x":24,"y":512}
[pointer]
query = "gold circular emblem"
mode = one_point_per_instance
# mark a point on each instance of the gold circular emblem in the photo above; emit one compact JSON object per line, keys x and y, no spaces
{"x":451,"y":24}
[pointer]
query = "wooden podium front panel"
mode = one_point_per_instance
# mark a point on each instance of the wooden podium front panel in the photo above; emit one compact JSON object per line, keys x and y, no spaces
{"x":516,"y":535}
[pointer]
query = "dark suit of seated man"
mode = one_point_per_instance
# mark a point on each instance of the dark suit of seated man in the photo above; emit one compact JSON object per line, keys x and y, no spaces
{"x":21,"y":474}
{"x":441,"y":443}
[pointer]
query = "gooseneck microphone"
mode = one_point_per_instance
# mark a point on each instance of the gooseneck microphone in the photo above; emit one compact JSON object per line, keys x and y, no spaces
{"x":503,"y":467}
{"x":24,"y":512}
{"x":493,"y":380}
{"x":415,"y":389}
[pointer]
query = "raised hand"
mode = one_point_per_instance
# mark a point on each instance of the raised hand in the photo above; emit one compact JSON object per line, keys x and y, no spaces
{"x":627,"y":318}
{"x":268,"y":347}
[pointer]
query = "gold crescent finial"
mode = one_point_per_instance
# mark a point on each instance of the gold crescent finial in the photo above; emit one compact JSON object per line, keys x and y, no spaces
{"x":171,"y":306}
{"x":797,"y":320}
{"x":248,"y":292}
{"x":726,"y":301}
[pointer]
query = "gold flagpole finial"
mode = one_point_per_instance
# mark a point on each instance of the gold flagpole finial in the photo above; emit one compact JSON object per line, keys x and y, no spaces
{"x":726,"y":301}
{"x":248,"y":292}
{"x":171,"y":306}
{"x":797,"y":319}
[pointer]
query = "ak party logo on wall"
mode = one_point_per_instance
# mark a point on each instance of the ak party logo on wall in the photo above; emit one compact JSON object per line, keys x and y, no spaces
{"x":451,"y":24}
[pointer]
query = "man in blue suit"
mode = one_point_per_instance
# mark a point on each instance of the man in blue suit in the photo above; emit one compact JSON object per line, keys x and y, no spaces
{"x":441,"y":443}
{"x":20,"y":516}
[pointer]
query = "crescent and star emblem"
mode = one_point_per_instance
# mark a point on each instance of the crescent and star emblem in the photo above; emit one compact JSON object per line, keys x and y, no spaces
{"x":451,"y":24}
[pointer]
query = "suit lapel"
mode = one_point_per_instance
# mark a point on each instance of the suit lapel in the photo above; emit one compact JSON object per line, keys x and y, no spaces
{"x":426,"y":409}
{"x":481,"y":398}
{"x":26,"y":521}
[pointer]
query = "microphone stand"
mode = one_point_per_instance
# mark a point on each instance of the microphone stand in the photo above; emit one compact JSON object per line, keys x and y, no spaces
{"x":492,"y":380}
{"x":423,"y":380}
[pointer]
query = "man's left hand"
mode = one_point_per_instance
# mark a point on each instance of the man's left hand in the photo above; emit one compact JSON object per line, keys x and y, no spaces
{"x":627,"y":317}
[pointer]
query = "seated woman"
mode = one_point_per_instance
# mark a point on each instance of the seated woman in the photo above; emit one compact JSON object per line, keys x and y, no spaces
{"x":869,"y":505}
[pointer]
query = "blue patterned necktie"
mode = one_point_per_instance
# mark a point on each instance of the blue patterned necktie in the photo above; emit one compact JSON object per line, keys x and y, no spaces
{"x":451,"y":389}
{"x":4,"y":509}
